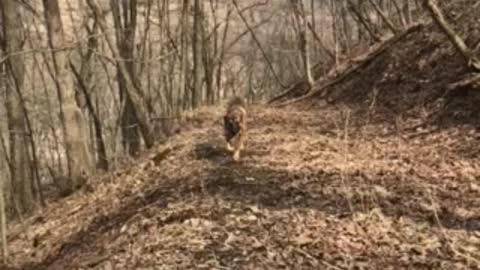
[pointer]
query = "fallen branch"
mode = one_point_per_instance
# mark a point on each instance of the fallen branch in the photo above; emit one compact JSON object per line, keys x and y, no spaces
{"x":384,"y":47}
{"x":298,"y":86}
{"x":457,"y":41}
{"x":468,"y":81}
{"x":95,"y":260}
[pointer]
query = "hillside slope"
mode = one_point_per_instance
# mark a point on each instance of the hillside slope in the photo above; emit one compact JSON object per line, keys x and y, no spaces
{"x":417,"y":76}
{"x":312,"y":191}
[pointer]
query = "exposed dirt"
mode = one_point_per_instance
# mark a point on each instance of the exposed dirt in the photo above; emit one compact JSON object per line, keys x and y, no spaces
{"x":311,"y":192}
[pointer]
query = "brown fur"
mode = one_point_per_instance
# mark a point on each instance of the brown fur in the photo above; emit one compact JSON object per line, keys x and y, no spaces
{"x":235,"y":126}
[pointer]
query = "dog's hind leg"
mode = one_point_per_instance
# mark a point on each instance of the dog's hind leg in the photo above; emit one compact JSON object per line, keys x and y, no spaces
{"x":236,"y":154}
{"x":229,"y":147}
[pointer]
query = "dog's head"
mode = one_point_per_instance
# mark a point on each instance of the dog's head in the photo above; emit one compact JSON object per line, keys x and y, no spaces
{"x":235,"y":116}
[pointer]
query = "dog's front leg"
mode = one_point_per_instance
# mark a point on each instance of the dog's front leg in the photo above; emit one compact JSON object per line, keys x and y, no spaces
{"x":238,"y":144}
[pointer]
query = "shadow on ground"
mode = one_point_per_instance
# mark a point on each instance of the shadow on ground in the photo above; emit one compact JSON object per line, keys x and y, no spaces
{"x":324,"y":192}
{"x":248,"y":183}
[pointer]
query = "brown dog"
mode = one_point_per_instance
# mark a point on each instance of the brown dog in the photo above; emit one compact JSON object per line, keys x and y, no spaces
{"x":235,"y":126}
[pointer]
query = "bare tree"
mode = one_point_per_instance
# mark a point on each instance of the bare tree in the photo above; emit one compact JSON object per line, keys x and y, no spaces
{"x":221,"y":54}
{"x":3,"y":163}
{"x":20,"y":167}
{"x":137,"y":97}
{"x":183,"y":93}
{"x":197,"y":54}
{"x":86,"y":76}
{"x":303,"y":44}
{"x":79,"y":158}
{"x":207,"y":52}
{"x":125,"y":21}
{"x":3,"y":206}
{"x":259,"y":45}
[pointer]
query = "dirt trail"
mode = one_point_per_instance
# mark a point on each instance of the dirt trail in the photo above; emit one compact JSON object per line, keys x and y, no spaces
{"x":312,"y":191}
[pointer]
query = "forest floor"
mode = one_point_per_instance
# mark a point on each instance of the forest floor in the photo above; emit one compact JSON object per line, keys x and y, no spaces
{"x":313,"y":190}
{"x":379,"y":169}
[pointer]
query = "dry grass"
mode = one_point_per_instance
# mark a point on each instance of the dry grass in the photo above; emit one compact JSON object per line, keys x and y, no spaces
{"x":304,"y":196}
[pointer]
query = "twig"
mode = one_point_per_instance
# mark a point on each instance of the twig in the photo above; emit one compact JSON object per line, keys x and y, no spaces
{"x":92,"y":262}
{"x":319,"y":41}
{"x":270,"y":65}
{"x":470,"y":80}
{"x":114,"y":60}
{"x":24,"y":52}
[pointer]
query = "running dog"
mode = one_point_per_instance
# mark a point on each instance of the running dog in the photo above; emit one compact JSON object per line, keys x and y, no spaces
{"x":235,"y":126}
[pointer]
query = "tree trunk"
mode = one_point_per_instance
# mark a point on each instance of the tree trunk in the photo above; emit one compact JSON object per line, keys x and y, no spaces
{"x":3,"y":208}
{"x":408,"y":12}
{"x":3,"y":163}
{"x":136,"y":96}
{"x":303,"y":45}
{"x":220,"y":91}
{"x":207,"y":61}
{"x":21,"y":170}
{"x":347,"y":29}
{"x":102,"y":162}
{"x":79,"y":158}
{"x":87,"y":77}
{"x":182,"y":88}
{"x":333,"y":9}
{"x":197,"y":54}
{"x":125,"y":32}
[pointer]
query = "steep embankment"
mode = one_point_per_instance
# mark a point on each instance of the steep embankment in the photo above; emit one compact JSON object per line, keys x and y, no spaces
{"x":415,"y":77}
{"x":311,"y":192}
